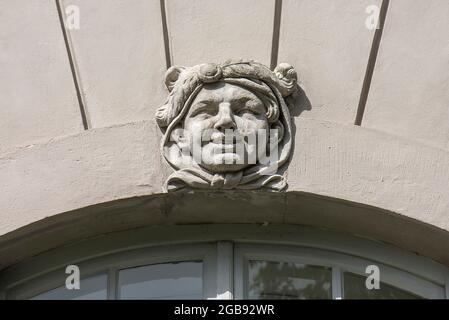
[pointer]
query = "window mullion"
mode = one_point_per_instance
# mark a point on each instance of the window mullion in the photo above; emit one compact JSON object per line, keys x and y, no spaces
{"x":225,"y":265}
{"x":337,"y":283}
{"x":112,"y":284}
{"x":447,"y":286}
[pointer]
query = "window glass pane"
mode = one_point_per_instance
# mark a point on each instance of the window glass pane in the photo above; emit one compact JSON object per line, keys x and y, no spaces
{"x":176,"y":280}
{"x":355,"y":288}
{"x":93,"y":288}
{"x":286,"y":280}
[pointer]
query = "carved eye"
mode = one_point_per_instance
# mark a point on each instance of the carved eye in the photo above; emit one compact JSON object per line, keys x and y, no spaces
{"x":245,"y":110}
{"x":205,"y":115}
{"x":249,"y":110}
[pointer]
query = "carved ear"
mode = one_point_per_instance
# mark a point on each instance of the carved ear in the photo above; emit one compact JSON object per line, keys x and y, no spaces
{"x":171,"y":76}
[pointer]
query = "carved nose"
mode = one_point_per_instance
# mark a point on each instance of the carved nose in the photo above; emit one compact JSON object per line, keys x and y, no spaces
{"x":225,"y":121}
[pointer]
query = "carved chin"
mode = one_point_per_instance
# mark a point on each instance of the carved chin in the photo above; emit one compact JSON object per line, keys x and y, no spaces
{"x":226,"y":162}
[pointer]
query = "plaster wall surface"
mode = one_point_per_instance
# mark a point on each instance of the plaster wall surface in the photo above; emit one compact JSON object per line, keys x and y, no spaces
{"x":214,"y":31}
{"x":397,"y":161}
{"x":409,"y":95}
{"x":329,"y":44}
{"x":38,"y":100}
{"x":119,"y":51}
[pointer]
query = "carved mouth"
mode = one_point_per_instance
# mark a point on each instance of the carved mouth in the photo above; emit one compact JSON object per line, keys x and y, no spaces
{"x":223,"y":139}
{"x":225,"y":148}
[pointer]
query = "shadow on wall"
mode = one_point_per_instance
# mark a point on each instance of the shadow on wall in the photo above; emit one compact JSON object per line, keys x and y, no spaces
{"x":297,"y":103}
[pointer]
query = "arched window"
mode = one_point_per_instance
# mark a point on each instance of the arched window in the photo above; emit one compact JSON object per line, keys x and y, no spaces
{"x":228,"y":262}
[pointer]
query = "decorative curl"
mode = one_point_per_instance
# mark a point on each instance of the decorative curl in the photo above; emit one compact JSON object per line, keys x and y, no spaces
{"x":288,"y":77}
{"x":209,"y":73}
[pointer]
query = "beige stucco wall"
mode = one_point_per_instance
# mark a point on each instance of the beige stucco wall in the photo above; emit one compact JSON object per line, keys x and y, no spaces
{"x":395,"y":165}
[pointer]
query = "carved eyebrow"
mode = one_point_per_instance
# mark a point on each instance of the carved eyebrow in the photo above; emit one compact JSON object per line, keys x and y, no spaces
{"x":253,"y":106}
{"x":256,"y":109}
{"x":211,"y":99}
{"x":242,"y":99}
{"x":201,"y":106}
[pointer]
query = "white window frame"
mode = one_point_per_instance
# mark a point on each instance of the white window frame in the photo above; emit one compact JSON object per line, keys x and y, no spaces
{"x":219,"y":244}
{"x":113,"y":263}
{"x":339,"y":263}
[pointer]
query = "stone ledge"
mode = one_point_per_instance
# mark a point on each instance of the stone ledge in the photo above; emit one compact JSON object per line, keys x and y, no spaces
{"x":330,"y":160}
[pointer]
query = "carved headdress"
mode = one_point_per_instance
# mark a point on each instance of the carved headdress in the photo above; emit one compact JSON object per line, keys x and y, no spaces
{"x":185,"y":83}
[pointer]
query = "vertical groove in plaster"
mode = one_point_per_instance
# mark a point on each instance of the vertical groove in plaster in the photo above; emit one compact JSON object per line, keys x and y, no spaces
{"x":75,"y":74}
{"x":168,"y":59}
{"x":276,"y":32}
{"x":371,"y":63}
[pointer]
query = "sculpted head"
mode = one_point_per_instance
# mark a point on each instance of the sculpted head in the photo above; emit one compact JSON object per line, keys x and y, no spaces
{"x":221,"y":109}
{"x":224,"y":118}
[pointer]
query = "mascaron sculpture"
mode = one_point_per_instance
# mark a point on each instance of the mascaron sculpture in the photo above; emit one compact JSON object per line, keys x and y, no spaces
{"x":241,"y":106}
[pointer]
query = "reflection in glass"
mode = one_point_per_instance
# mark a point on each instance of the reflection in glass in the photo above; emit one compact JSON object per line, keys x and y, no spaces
{"x":176,"y":280}
{"x":93,"y":288}
{"x":287,"y":280}
{"x":355,"y":288}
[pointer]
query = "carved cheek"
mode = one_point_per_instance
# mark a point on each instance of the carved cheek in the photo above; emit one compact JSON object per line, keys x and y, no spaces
{"x":209,"y":123}
{"x":198,"y":123}
{"x":250,"y":123}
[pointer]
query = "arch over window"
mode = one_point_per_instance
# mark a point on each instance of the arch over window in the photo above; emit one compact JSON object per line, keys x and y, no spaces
{"x":227,"y":262}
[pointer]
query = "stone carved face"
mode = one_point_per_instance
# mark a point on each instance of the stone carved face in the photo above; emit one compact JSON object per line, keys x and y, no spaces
{"x":215,"y":108}
{"x":225,"y":108}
